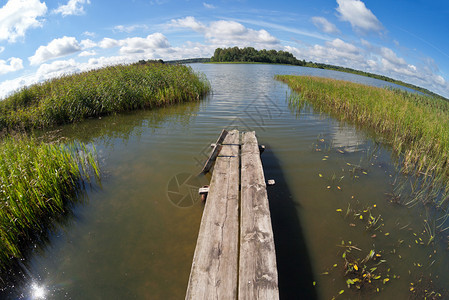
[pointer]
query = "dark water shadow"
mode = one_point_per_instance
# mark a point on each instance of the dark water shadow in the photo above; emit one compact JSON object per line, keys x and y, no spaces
{"x":293,"y":262}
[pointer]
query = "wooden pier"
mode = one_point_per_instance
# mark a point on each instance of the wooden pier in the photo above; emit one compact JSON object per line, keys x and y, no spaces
{"x":235,"y":255}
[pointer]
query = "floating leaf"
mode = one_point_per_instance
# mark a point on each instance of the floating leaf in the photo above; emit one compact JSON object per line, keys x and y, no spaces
{"x":387,"y":234}
{"x":320,"y":175}
{"x":335,"y":265}
{"x":356,"y":267}
{"x":338,"y":187}
{"x":339,"y":209}
{"x":386,"y":280}
{"x":361,"y":217}
{"x":328,"y":186}
{"x":314,"y":283}
{"x":341,"y":292}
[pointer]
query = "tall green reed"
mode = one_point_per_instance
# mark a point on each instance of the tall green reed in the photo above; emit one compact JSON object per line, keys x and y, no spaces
{"x":101,"y":92}
{"x":37,"y":181}
{"x":416,"y":126}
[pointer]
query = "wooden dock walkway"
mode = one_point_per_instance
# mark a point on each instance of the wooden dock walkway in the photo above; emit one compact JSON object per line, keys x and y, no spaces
{"x":235,"y":255}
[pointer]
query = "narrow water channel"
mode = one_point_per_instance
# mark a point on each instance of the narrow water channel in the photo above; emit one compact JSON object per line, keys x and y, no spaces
{"x":135,"y":236}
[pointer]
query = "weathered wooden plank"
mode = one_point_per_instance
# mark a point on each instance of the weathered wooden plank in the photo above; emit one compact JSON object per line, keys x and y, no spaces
{"x":215,"y":151}
{"x":258,"y":278}
{"x":214,"y":268}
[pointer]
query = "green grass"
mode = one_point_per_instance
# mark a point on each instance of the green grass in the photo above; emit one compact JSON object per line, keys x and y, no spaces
{"x":36,"y":182}
{"x":416,"y":126}
{"x":100,"y":92}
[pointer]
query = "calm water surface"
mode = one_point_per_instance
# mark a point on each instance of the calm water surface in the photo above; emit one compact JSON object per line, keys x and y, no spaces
{"x":135,"y":236}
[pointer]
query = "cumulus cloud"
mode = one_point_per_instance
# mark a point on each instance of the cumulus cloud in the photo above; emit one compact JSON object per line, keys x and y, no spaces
{"x":228,"y":33}
{"x":10,"y":65}
{"x":360,"y":17}
{"x":141,"y":45}
{"x":391,"y":57}
{"x":56,"y":48}
{"x":73,"y":7}
{"x":324,"y":25}
{"x":107,"y":43}
{"x":188,"y":22}
{"x":335,"y":52}
{"x":87,"y":53}
{"x":87,"y":43}
{"x":17,"y":16}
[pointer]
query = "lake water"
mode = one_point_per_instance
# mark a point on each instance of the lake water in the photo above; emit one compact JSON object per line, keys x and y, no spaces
{"x":134,"y":237}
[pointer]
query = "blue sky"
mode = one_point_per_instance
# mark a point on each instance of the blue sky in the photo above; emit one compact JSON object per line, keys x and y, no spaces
{"x":405,"y":40}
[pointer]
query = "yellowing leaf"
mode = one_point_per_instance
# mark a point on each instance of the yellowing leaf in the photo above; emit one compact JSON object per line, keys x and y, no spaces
{"x":341,"y":292}
{"x":356,"y":267}
{"x":339,"y":209}
{"x":386,"y":280}
{"x":361,"y":217}
{"x":387,"y":234}
{"x":320,"y":175}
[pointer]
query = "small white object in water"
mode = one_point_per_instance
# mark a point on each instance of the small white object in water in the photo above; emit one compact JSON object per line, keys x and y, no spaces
{"x":271,"y":182}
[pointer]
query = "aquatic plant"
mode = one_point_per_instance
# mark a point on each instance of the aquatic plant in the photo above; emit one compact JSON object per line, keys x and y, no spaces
{"x":37,"y":181}
{"x":105,"y":91}
{"x":416,"y":126}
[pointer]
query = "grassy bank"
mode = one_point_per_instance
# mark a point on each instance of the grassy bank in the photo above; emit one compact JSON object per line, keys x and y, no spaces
{"x":37,"y":180}
{"x":415,"y":126}
{"x":100,"y":92}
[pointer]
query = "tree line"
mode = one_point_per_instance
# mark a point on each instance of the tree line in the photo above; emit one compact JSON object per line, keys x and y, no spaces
{"x":249,"y":54}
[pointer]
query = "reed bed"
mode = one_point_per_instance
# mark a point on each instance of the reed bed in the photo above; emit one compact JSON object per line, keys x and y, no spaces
{"x":100,"y":92}
{"x":416,"y":126}
{"x":36,"y":182}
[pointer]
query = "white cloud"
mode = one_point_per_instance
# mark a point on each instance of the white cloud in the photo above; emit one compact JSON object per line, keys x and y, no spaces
{"x":188,"y":22}
{"x":136,"y":45}
{"x":10,"y":65}
{"x":57,"y":68}
{"x":87,"y":53}
{"x":17,"y":16}
{"x":391,"y":57}
{"x":2,"y":49}
{"x":131,"y":28}
{"x":107,"y":43}
{"x":56,"y":48}
{"x":324,"y":25}
{"x":89,"y":34}
{"x":86,"y":44}
{"x":228,"y":33}
{"x":209,"y":6}
{"x":73,"y":7}
{"x":360,"y":17}
{"x":142,"y":45}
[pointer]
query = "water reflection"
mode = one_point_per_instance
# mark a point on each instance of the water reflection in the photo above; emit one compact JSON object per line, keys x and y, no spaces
{"x":347,"y":139}
{"x":130,"y":241}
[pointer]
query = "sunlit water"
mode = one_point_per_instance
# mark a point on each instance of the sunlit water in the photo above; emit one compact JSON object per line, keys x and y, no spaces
{"x":135,"y":236}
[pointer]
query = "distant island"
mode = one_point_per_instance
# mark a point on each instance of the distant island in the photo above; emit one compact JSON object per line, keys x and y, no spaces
{"x":251,"y":55}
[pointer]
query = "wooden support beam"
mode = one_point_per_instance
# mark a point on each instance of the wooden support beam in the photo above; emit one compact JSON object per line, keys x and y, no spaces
{"x":215,"y":151}
{"x":258,"y":278}
{"x":214,"y":268}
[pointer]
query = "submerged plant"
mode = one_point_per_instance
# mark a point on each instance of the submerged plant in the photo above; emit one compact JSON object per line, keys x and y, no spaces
{"x":416,"y":126}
